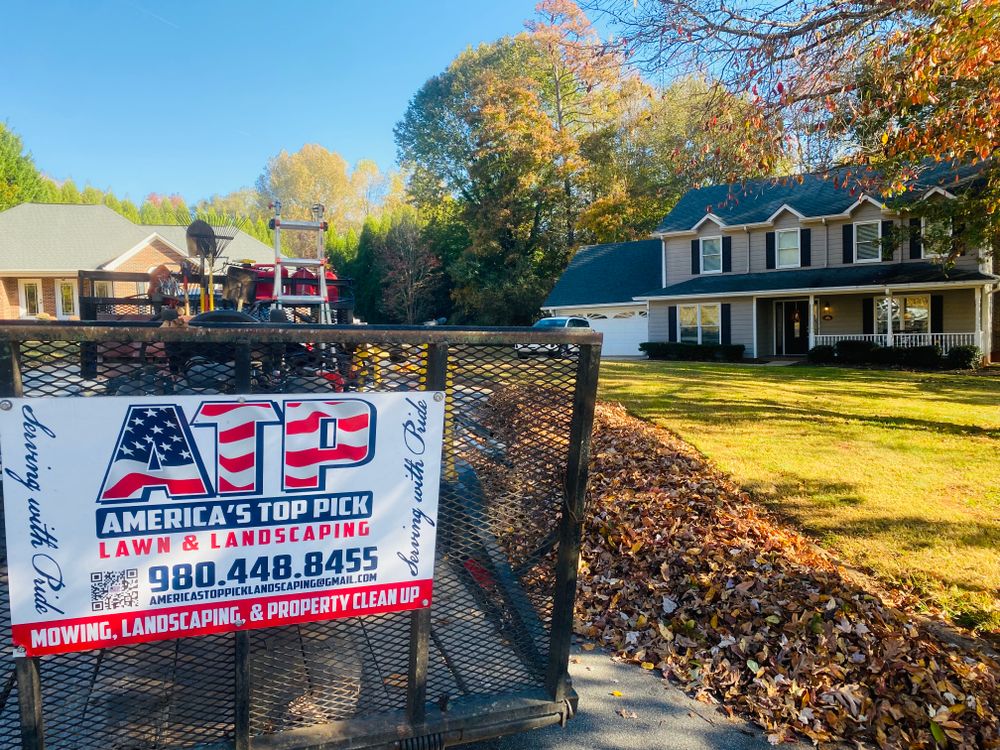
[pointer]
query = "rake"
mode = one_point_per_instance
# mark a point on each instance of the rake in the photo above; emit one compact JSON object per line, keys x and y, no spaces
{"x":207,"y":242}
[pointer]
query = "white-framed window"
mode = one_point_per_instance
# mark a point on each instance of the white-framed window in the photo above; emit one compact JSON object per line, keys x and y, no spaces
{"x":787,"y":243}
{"x":699,"y":324}
{"x":867,"y":241}
{"x":103,"y":289}
{"x":67,"y":304}
{"x":934,"y":234}
{"x":711,"y":254}
{"x":911,"y":314}
{"x":29,"y":293}
{"x":625,"y":314}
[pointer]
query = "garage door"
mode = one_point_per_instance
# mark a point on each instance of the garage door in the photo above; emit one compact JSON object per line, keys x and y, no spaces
{"x":623,"y":332}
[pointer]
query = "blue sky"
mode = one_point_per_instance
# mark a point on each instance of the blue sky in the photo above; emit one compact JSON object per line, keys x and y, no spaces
{"x":193,"y":97}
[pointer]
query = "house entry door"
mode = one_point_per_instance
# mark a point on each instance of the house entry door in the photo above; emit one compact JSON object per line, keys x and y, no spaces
{"x":792,"y":329}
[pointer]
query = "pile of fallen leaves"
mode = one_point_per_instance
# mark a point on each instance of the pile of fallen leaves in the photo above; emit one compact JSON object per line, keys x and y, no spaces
{"x":681,"y":572}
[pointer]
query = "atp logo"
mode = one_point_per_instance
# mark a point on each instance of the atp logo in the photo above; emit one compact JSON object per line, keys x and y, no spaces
{"x":156,"y":450}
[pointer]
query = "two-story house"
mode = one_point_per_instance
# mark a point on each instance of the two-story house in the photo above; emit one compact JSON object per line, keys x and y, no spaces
{"x":781,"y":266}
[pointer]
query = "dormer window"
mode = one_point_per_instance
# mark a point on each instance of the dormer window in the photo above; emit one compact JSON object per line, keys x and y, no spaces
{"x":711,"y":255}
{"x":789,"y":255}
{"x":868,"y":242}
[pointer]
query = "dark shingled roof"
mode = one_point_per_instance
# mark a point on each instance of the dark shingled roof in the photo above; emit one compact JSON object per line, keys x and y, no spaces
{"x":819,"y":278}
{"x":756,"y":200}
{"x":605,"y":274}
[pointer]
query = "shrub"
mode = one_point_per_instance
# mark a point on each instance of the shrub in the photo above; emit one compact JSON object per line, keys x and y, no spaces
{"x":729,"y":352}
{"x":854,"y":352}
{"x":821,"y":355}
{"x":923,"y":357}
{"x":964,"y":358}
{"x":888,"y":355}
{"x":692,"y":352}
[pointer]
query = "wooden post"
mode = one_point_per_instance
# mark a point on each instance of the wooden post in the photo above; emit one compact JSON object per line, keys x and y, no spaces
{"x":888,"y":317}
{"x":978,"y":295}
{"x":812,"y":320}
{"x":29,"y":699}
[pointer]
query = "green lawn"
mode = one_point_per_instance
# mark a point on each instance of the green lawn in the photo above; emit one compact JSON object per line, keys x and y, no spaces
{"x":897,"y":471}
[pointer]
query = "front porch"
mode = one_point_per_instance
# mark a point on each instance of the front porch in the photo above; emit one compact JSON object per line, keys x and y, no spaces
{"x":944,"y":340}
{"x":944,"y":316}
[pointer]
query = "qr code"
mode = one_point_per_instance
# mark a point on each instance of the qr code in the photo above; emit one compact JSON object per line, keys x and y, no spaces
{"x":114,"y":590}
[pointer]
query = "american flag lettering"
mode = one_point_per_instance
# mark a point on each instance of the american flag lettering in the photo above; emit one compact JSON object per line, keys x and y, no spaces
{"x":155,"y":450}
{"x":323,"y":434}
{"x":238,"y":440}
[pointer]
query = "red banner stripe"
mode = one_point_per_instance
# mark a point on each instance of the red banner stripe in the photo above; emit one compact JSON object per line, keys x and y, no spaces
{"x":226,"y":486}
{"x":307,"y":483}
{"x":239,"y":432}
{"x":237,"y":463}
{"x":311,"y":423}
{"x":121,"y":629}
{"x":215,"y":410}
{"x":129,"y":483}
{"x":312,"y":456}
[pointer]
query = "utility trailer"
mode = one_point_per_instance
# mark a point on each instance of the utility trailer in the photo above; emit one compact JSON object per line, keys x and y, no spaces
{"x":489,"y":657}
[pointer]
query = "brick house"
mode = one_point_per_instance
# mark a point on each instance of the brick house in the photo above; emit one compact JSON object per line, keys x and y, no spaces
{"x":43,"y":247}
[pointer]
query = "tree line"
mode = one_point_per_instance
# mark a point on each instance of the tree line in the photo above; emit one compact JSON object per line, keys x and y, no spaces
{"x":523,"y":149}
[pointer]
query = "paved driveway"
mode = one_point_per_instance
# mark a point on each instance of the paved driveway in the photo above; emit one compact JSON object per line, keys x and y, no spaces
{"x":664,"y":717}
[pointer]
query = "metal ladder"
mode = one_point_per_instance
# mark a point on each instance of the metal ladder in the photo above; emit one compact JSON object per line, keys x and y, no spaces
{"x":279,"y":297}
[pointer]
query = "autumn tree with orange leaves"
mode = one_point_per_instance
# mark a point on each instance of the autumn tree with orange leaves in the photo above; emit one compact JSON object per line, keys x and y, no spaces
{"x":884,"y":87}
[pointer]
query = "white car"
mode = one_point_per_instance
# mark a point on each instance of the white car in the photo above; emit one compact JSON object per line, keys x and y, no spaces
{"x":552,"y":350}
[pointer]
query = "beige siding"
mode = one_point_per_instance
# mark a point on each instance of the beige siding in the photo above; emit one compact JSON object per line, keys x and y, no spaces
{"x":740,"y":316}
{"x":846,"y":309}
{"x":960,"y":310}
{"x":827,"y":244}
{"x":659,"y":328}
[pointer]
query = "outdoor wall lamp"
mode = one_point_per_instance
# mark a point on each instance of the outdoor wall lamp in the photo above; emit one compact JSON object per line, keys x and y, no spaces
{"x":827,"y":312}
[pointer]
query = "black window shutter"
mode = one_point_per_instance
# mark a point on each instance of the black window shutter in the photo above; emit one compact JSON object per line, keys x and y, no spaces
{"x":805,"y":251}
{"x":868,"y":315}
{"x":887,"y":237}
{"x":848,"y":243}
{"x":769,"y":249}
{"x":725,"y":324}
{"x":695,"y":256}
{"x":727,"y":254}
{"x":916,"y":249}
{"x":937,"y":313}
{"x":672,"y":323}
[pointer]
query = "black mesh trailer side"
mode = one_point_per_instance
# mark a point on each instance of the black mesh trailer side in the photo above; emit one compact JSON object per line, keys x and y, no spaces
{"x":489,"y":657}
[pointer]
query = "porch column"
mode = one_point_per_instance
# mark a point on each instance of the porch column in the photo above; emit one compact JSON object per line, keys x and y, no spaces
{"x":978,"y":295}
{"x":888,"y":315}
{"x":753,"y":316}
{"x":812,"y":321}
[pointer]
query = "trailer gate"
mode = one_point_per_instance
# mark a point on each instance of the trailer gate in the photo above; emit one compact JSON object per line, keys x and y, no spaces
{"x":488,"y":658}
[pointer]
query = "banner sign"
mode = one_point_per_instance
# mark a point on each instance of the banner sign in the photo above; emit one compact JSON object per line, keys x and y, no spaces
{"x":141,"y":519}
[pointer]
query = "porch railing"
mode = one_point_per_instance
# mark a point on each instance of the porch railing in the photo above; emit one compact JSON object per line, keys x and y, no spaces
{"x":945,"y":340}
